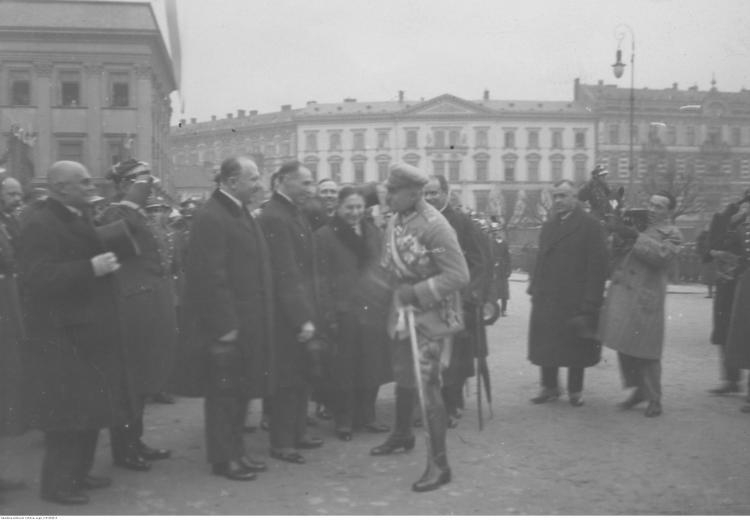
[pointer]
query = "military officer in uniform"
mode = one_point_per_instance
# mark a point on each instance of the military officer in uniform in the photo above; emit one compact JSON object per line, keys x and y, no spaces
{"x":428,"y":268}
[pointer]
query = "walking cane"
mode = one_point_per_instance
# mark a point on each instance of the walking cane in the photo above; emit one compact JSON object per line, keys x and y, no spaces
{"x":418,"y":371}
{"x":478,"y":338}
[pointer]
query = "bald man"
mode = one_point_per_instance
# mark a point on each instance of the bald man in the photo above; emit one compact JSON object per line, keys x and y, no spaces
{"x":72,"y":331}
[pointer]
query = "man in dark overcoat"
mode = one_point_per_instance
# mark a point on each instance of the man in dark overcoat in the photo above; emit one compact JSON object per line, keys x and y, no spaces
{"x":725,"y":249}
{"x":147,"y":312}
{"x":567,"y":292}
{"x":229,"y":312}
{"x":73,"y":333}
{"x":12,"y":380}
{"x":472,"y":341}
{"x":501,"y":265}
{"x":291,"y":247}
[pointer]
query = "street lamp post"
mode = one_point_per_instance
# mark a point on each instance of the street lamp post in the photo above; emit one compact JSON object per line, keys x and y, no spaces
{"x":618,"y":68}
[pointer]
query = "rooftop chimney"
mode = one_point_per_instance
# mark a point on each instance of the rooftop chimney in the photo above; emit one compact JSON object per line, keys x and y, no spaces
{"x":286,"y":108}
{"x":253,"y":112}
{"x":400,"y":96}
{"x":601,"y":83}
{"x":674,"y":86}
{"x":193,"y":120}
{"x":240,"y":113}
{"x":486,"y":96}
{"x":182,"y":122}
{"x":312,"y":102}
{"x":213,"y":118}
{"x":350,"y":100}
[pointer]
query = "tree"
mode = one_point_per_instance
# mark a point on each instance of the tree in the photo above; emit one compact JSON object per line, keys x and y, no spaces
{"x":684,"y":184}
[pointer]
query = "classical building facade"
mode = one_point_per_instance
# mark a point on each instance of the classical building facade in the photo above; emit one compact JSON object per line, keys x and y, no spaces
{"x":493,"y":152}
{"x":84,"y":81}
{"x":694,"y":143}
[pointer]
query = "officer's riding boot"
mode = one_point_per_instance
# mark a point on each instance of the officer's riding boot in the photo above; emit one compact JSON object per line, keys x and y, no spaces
{"x":437,"y":472}
{"x":402,"y":436}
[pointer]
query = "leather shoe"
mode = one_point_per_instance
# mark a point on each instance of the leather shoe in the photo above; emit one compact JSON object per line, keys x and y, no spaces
{"x":635,"y":399}
{"x":233,"y":470}
{"x":94,"y":482}
{"x":653,"y":409}
{"x":430,"y":481}
{"x":253,"y":465}
{"x":7,"y":484}
{"x":66,"y":498}
{"x":393,"y":443}
{"x":547,"y":395}
{"x":344,"y":435}
{"x":133,"y":461}
{"x":726,"y":388}
{"x":149,"y":453}
{"x":309,"y":443}
{"x":288,"y":456}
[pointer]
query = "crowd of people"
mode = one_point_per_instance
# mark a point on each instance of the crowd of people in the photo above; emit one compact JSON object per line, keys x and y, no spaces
{"x":321,"y":292}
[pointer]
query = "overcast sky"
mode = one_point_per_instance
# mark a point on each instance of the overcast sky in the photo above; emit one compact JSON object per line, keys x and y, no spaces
{"x":260,"y":54}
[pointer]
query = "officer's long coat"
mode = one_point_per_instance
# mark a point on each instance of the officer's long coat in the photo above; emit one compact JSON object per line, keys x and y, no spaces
{"x":568,"y":282}
{"x":146,"y":301}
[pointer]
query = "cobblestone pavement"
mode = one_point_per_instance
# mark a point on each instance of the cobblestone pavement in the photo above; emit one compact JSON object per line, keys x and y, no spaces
{"x":530,"y":459}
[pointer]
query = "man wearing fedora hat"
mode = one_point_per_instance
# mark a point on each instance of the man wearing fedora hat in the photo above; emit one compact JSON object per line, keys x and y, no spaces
{"x":428,"y":268}
{"x":147,"y":312}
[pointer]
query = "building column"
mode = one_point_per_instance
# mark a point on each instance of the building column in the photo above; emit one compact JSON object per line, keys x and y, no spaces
{"x":144,"y":118}
{"x":45,"y":147}
{"x":94,"y":96}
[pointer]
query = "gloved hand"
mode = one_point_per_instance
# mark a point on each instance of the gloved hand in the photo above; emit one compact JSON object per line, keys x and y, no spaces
{"x":406,"y":294}
{"x":104,"y":264}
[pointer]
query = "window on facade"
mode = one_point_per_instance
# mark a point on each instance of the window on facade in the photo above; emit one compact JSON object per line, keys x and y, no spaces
{"x":438,"y":167}
{"x":533,"y":170}
{"x":481,"y":139}
{"x":481,"y":200}
{"x":114,"y":152}
{"x":557,"y":141}
{"x":270,"y":150}
{"x":382,"y":171}
{"x":439,"y":137}
{"x":311,"y":142}
{"x":580,"y":170}
{"x":614,"y":134}
{"x":533,"y":138}
{"x":359,"y":172}
{"x":736,"y":168}
{"x":383,"y":140}
{"x":454,"y":171}
{"x":557,"y":169}
{"x":70,"y":150}
{"x":335,"y":169}
{"x":635,"y":137}
{"x":412,"y":159}
{"x":454,"y":138}
{"x":671,"y":135}
{"x":313,"y":167}
{"x":335,"y":142}
{"x":411,"y":139}
{"x":285,"y":149}
{"x":509,"y":171}
{"x":359,"y":141}
{"x":70,"y":88}
{"x":690,"y":136}
{"x":580,"y":139}
{"x":714,"y":135}
{"x":510,"y":139}
{"x":736,"y":136}
{"x":119,"y":89}
{"x":482,"y":171}
{"x":20,"y":87}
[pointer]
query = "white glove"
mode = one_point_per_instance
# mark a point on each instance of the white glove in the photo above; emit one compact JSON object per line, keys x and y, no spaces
{"x":104,"y":264}
{"x":306,"y":333}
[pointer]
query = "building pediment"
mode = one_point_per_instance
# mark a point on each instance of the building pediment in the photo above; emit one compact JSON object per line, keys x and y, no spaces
{"x":447,"y":105}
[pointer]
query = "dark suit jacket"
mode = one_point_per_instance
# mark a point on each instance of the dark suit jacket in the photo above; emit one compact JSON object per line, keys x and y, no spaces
{"x":568,"y":281}
{"x":72,"y":323}
{"x":291,"y":246}
{"x":228,"y":286}
{"x":145,"y":296}
{"x":474,"y":247}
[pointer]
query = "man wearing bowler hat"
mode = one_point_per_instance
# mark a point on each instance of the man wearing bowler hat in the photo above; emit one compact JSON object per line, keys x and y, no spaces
{"x":428,"y":269}
{"x":147,"y":312}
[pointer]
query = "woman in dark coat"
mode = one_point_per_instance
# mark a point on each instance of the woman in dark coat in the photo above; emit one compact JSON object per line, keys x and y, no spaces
{"x":348,"y":249}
